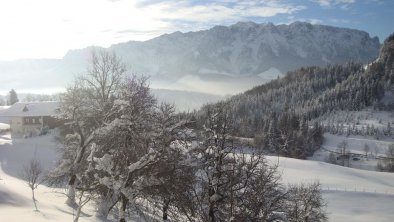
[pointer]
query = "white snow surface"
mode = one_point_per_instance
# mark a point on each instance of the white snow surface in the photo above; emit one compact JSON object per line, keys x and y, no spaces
{"x":351,"y":194}
{"x":15,"y":197}
{"x":4,"y":126}
{"x":355,"y":143}
{"x":271,"y":73}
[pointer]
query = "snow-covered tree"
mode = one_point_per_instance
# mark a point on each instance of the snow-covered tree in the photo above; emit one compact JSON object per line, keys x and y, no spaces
{"x":367,"y":149}
{"x":84,"y":108}
{"x":32,"y":173}
{"x":124,"y":145}
{"x":132,"y":149}
{"x":215,"y":163}
{"x":233,"y":182}
{"x":174,"y":170}
{"x":344,"y":153}
{"x":388,"y":162}
{"x":305,"y":203}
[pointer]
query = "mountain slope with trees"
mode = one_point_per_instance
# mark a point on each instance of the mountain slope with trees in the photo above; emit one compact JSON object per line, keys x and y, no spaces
{"x":277,"y":114}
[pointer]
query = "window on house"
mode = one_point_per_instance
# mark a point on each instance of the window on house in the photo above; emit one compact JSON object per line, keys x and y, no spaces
{"x":31,"y":120}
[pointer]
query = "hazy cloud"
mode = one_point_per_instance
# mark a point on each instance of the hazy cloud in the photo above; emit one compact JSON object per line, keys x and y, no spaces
{"x":48,"y":29}
{"x":341,"y":21}
{"x":221,"y":10}
{"x":343,"y":4}
{"x":313,"y":21}
{"x":53,"y":27}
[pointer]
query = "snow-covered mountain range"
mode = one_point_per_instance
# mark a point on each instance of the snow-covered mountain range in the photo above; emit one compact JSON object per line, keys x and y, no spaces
{"x":248,"y":49}
{"x":219,"y":60}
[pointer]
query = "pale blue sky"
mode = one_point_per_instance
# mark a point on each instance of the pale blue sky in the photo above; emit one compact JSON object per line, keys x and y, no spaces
{"x":48,"y":28}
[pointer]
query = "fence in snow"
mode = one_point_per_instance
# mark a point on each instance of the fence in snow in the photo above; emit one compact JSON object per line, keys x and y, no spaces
{"x":357,"y":189}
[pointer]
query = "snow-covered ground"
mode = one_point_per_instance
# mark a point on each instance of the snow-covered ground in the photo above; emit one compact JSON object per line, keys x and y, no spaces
{"x":355,"y":145}
{"x":16,"y":203}
{"x":15,"y":197}
{"x":351,"y":194}
{"x":357,"y":206}
{"x":361,"y":120}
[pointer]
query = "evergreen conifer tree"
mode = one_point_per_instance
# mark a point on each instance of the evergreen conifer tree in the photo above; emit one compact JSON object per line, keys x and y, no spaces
{"x":12,"y":98}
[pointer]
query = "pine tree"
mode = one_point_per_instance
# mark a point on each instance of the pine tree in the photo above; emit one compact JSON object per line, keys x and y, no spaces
{"x":12,"y":98}
{"x":273,"y":134}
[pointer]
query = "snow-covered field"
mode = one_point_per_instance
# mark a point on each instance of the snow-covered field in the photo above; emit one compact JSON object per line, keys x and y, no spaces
{"x":355,"y":145}
{"x":351,"y":194}
{"x":16,"y":203}
{"x":15,"y":197}
{"x":377,"y":144}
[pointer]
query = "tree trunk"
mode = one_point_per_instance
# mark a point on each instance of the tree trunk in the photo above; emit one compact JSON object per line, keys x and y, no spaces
{"x":71,"y":184}
{"x":165,"y":210}
{"x":34,"y":199}
{"x":78,"y":213}
{"x":105,"y":205}
{"x":122,"y":209}
{"x":211,"y":213}
{"x":71,"y":192}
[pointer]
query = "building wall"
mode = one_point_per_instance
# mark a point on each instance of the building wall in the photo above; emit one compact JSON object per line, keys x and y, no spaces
{"x":16,"y":125}
{"x":20,"y":128}
{"x":51,"y":122}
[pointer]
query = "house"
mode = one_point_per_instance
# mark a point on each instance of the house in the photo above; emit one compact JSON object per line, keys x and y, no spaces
{"x":31,"y":118}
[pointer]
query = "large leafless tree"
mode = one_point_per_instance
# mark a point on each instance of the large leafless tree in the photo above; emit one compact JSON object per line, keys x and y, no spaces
{"x":84,"y":108}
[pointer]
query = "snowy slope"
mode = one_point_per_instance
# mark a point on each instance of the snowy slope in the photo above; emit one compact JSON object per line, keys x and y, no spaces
{"x":15,"y":197}
{"x":334,"y":176}
{"x":359,"y":207}
{"x":360,"y":120}
{"x":351,"y":194}
{"x":16,"y":203}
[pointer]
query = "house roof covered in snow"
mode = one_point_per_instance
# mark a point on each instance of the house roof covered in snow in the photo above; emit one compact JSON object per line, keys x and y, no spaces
{"x":32,"y":109}
{"x":4,"y":108}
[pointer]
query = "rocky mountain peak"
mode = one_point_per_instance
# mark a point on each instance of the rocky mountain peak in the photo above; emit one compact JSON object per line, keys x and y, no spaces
{"x":387,"y":52}
{"x":239,"y":56}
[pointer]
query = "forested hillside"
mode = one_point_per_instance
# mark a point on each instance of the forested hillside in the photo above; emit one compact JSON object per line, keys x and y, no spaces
{"x":277,"y":114}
